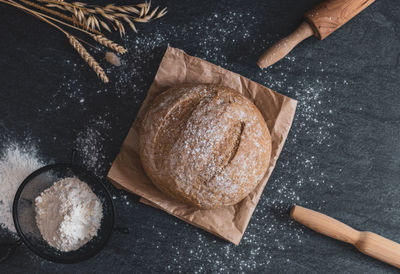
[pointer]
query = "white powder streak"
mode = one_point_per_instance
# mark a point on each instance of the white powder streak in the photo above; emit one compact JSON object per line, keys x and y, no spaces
{"x":16,"y":164}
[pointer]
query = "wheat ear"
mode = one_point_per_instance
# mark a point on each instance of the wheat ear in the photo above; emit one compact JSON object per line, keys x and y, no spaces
{"x":88,"y":58}
{"x":73,"y":41}
{"x":60,"y":15}
{"x":110,"y":44}
{"x":101,"y":39}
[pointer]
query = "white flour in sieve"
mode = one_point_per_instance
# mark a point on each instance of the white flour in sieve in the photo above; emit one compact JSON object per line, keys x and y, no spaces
{"x":16,"y":164}
{"x":68,"y":214}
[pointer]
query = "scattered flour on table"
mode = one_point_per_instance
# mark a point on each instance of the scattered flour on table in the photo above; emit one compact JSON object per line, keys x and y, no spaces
{"x":68,"y":214}
{"x":16,"y":163}
{"x":270,"y":234}
{"x":89,"y":144}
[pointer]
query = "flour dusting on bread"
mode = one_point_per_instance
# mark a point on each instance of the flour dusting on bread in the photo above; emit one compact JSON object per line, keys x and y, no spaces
{"x":205,"y":145}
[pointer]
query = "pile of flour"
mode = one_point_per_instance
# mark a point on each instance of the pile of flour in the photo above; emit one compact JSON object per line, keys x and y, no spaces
{"x":68,"y":214}
{"x":16,"y":163}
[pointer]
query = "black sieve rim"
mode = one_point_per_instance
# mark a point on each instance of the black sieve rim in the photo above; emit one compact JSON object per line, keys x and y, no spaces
{"x":79,"y":170}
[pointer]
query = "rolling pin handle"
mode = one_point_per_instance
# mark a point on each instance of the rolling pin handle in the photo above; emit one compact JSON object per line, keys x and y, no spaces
{"x":284,"y":46}
{"x":366,"y":242}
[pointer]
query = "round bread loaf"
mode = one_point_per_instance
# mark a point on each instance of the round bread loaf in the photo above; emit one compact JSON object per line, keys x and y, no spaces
{"x":205,"y":145}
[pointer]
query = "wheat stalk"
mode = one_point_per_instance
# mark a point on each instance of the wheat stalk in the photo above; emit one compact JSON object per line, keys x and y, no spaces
{"x":90,"y":19}
{"x":88,"y":58}
{"x":59,"y":15}
{"x":96,"y":17}
{"x":72,"y":40}
{"x":101,"y":39}
{"x":108,"y":43}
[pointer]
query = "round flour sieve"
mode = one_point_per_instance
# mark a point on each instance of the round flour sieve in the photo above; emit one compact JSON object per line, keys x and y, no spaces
{"x":24,"y":212}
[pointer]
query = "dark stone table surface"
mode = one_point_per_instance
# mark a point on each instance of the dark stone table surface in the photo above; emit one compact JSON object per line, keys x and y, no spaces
{"x":342,"y":155}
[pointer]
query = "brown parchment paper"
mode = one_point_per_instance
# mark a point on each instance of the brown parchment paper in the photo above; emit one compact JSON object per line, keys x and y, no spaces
{"x":177,"y":68}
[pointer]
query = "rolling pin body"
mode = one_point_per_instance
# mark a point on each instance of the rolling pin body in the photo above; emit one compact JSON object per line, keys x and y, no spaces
{"x":366,"y":242}
{"x":320,"y":21}
{"x":330,"y":15}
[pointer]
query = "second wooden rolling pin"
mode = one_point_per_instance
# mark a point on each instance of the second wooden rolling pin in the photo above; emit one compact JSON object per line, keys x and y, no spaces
{"x":366,"y":242}
{"x":320,"y":21}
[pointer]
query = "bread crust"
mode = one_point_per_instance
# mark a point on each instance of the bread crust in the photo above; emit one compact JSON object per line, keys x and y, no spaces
{"x":205,"y":145}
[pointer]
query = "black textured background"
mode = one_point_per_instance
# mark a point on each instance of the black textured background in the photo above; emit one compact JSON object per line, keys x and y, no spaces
{"x":342,"y":155}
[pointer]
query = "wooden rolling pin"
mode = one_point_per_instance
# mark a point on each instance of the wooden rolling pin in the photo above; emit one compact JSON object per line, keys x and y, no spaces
{"x":366,"y":242}
{"x":320,"y":21}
